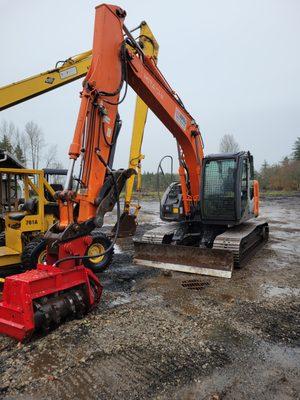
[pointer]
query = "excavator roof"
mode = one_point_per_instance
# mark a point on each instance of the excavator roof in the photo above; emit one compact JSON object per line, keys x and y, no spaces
{"x":225,"y":155}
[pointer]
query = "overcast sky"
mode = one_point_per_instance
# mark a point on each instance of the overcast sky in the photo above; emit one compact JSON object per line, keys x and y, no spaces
{"x":234,"y":63}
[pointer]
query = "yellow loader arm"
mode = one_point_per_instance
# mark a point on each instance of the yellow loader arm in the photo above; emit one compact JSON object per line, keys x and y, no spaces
{"x":128,"y":218}
{"x":70,"y":70}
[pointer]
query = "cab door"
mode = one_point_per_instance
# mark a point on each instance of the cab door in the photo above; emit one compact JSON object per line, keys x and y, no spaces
{"x":244,"y":185}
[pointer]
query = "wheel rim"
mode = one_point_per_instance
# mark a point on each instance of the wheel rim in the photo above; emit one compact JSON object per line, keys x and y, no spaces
{"x":42,"y":257}
{"x":94,"y":249}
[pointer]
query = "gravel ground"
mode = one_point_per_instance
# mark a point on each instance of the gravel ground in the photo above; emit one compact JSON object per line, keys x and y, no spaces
{"x":153,"y":338}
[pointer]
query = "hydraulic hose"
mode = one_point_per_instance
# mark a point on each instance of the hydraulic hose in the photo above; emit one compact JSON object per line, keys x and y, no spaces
{"x":159,"y":168}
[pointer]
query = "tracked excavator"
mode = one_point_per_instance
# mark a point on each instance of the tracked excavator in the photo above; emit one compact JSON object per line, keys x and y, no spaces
{"x":214,"y":194}
{"x":222,"y":229}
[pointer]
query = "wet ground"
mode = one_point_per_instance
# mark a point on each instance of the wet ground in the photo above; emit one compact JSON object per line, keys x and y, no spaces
{"x":157,"y":336}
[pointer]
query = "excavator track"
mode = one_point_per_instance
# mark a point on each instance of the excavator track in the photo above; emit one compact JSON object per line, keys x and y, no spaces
{"x":229,"y":250}
{"x":157,"y":235}
{"x":243,"y":240}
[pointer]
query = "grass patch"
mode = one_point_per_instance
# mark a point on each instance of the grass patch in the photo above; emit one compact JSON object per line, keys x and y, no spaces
{"x":279,"y":193}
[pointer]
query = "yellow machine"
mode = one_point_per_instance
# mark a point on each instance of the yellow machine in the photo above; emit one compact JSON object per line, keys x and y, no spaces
{"x":72,"y":69}
{"x":32,"y":215}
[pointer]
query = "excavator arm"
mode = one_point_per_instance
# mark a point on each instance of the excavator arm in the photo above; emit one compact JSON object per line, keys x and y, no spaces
{"x":113,"y":66}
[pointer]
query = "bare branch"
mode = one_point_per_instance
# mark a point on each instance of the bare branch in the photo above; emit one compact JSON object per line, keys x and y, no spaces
{"x":50,"y":158}
{"x":228,"y":144}
{"x":36,"y":143}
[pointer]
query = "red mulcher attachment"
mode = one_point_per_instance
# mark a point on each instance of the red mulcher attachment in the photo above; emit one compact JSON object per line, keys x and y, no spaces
{"x":43,"y":298}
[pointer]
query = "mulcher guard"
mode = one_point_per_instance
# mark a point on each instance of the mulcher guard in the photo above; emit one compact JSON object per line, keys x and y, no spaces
{"x":43,"y":298}
{"x":184,"y":259}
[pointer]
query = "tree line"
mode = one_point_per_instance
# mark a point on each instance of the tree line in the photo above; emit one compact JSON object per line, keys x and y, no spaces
{"x":281,"y":176}
{"x":152,"y":182}
{"x":28,"y":145}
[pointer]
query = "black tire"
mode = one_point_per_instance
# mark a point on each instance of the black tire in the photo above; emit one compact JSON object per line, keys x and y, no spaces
{"x":2,"y":239}
{"x":33,"y":253}
{"x":99,"y":244}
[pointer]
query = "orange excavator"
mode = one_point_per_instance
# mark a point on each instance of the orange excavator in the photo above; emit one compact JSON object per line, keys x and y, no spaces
{"x":213,"y":193}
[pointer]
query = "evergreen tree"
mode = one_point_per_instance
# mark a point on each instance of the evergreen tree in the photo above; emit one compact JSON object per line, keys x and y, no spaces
{"x":296,"y":150}
{"x":18,"y":153}
{"x":5,"y":144}
{"x":285,"y":161}
{"x":264,"y":165}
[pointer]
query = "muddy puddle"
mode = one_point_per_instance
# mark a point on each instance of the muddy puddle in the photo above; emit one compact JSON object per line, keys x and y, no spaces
{"x":274,"y":291}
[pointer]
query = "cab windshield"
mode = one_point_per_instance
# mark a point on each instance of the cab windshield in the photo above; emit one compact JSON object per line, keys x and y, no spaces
{"x":219,"y":189}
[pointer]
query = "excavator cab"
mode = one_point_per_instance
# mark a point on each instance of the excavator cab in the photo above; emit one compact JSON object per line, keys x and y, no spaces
{"x":228,"y":196}
{"x":227,"y":193}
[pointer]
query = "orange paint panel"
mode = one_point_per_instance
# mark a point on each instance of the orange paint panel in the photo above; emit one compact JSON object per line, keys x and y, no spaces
{"x":256,"y":197}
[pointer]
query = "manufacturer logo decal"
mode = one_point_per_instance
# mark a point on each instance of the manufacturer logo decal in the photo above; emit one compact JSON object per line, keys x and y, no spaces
{"x":180,"y":119}
{"x":153,"y":86}
{"x":68,"y":72}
